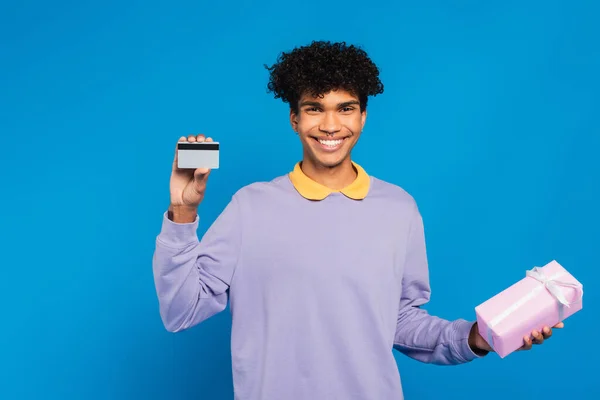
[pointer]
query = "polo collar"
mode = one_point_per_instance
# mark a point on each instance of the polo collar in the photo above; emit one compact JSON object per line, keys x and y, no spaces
{"x":312,"y":190}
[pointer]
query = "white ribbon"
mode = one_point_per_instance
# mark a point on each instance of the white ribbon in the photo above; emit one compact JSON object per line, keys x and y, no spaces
{"x":553,"y":286}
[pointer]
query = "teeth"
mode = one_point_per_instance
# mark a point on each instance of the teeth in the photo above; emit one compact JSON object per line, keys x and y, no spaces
{"x":331,"y":143}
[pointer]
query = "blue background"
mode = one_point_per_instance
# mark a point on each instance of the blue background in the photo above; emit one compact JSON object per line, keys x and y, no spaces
{"x":489,"y":118}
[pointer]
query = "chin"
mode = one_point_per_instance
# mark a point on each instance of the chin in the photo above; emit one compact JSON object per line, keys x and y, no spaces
{"x":330,"y":160}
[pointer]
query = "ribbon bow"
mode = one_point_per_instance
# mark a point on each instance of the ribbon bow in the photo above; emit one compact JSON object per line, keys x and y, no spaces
{"x":553,"y":286}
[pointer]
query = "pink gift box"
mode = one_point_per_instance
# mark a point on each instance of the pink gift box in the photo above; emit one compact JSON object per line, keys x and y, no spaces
{"x":545,"y":297}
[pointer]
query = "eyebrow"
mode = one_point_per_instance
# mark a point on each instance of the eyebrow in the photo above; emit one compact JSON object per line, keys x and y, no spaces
{"x":341,"y":105}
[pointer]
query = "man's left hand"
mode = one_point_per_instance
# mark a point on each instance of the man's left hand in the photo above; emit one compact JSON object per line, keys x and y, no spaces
{"x":480,"y":346}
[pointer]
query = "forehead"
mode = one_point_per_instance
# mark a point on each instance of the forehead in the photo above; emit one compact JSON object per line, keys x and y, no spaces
{"x":334,"y":97}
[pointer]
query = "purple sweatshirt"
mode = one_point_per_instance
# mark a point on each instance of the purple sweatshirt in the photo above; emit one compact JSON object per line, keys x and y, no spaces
{"x":322,"y":286}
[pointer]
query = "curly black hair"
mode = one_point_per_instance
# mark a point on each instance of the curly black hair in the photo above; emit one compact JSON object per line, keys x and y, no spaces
{"x":321,"y":67}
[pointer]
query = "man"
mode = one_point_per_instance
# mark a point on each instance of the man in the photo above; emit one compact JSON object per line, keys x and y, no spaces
{"x":324,"y":268}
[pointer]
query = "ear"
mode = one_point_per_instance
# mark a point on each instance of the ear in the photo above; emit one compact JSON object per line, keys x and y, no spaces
{"x":294,"y":120}
{"x":363,"y":119}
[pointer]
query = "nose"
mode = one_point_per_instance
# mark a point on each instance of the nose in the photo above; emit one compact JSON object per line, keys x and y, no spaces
{"x":330,"y":123}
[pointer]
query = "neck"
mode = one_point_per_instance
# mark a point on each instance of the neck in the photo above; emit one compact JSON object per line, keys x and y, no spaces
{"x":334,"y":178}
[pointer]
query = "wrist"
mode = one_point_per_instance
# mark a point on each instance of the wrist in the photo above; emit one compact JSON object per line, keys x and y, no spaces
{"x":182,"y":214}
{"x":475,"y":339}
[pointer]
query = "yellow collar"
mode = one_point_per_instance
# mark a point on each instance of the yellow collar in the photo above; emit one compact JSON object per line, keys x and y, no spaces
{"x":312,"y":190}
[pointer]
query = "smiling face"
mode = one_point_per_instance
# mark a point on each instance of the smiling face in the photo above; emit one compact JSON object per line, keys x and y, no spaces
{"x":328,"y":127}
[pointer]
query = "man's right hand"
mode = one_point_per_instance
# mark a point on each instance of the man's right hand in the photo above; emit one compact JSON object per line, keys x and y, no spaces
{"x":187,"y":187}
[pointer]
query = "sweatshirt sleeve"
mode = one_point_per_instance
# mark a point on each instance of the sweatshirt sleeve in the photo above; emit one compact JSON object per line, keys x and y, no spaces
{"x":192,"y":277}
{"x":421,"y":336}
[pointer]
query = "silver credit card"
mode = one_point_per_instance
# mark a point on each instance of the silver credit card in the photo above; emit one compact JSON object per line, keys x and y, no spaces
{"x":198,"y":155}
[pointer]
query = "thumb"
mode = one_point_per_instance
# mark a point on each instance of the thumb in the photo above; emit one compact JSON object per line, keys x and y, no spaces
{"x":201,"y":174}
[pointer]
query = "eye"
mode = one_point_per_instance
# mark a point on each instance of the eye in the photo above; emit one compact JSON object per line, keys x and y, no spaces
{"x":347,"y":110}
{"x":312,"y":109}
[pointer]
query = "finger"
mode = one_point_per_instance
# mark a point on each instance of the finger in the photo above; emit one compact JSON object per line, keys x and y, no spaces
{"x":559,"y":325}
{"x":191,"y":138}
{"x":209,"y":139}
{"x":200,"y":138}
{"x":201,"y":174}
{"x":537,"y":337}
{"x":547,"y":332}
{"x":527,"y":343}
{"x":200,"y":181}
